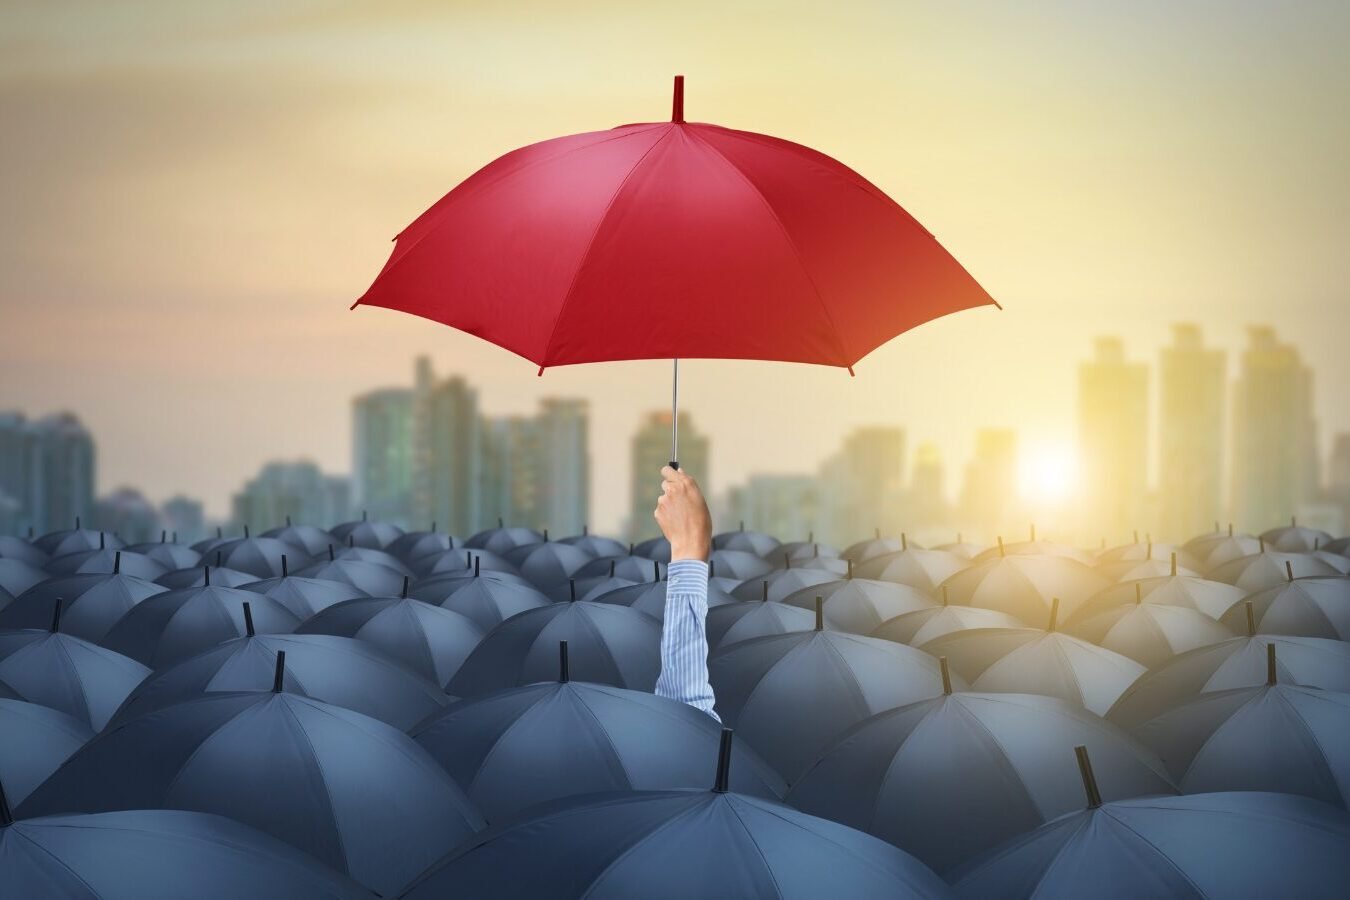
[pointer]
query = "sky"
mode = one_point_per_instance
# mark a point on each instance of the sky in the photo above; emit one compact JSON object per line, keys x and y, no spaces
{"x":191,"y":196}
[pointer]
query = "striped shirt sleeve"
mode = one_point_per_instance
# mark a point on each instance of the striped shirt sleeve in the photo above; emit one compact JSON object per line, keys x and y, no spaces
{"x":684,"y":643}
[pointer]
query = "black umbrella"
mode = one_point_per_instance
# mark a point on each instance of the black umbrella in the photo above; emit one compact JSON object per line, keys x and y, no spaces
{"x":1033,"y":547}
{"x":486,"y":599}
{"x":782,"y":583}
{"x":91,"y":604}
{"x":367,"y":554}
{"x":1148,"y":633}
{"x":544,"y":741}
{"x":1340,"y":545}
{"x":1310,"y":607}
{"x":1273,"y":737}
{"x":197,"y":576}
{"x":461,"y":562}
{"x":372,"y":578}
{"x":739,"y":564}
{"x":307,"y":539}
{"x":610,"y":644}
{"x":1213,"y":598}
{"x":337,"y":670}
{"x":948,"y":778}
{"x":304,"y":597}
{"x":595,"y":545}
{"x":633,"y":568}
{"x":417,"y":544}
{"x":159,"y":853}
{"x":367,"y":533}
{"x":873,"y":547}
{"x":503,"y":538}
{"x":655,"y":548}
{"x":1268,"y":568}
{"x":860,"y":605}
{"x":548,"y":564}
{"x":650,"y":598}
{"x":788,"y":695}
{"x":37,"y":739}
{"x":1296,"y":538}
{"x":1235,"y":663}
{"x":1024,"y":586}
{"x":107,"y":561}
{"x":1201,"y":846}
{"x":170,"y":627}
{"x":676,"y":844}
{"x":914,"y":566}
{"x":800,"y":551}
{"x":592,"y":588}
{"x":740,"y":620}
{"x":66,"y":673}
{"x":928,"y":624}
{"x":59,"y":543}
{"x":756,"y":542}
{"x":17,"y":576}
{"x":350,"y":790}
{"x":259,"y":556}
{"x":12,"y":547}
{"x":169,"y":554}
{"x":432,"y":641}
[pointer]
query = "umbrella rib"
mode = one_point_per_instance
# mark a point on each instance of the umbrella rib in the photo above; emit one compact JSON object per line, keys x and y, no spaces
{"x":581,"y":259}
{"x":796,"y":251}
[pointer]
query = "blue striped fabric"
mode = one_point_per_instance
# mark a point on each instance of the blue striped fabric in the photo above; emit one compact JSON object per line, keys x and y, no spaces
{"x":684,"y":643}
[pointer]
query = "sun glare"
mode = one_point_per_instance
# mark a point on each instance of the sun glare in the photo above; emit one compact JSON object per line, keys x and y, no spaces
{"x":1048,"y":473}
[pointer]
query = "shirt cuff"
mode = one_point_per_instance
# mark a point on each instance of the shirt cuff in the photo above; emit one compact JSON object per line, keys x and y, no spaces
{"x":684,"y":575}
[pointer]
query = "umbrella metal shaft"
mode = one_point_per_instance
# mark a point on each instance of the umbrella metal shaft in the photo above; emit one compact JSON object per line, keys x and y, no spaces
{"x":675,"y":414}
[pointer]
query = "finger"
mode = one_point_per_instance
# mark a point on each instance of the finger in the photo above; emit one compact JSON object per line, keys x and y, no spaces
{"x":668,"y":473}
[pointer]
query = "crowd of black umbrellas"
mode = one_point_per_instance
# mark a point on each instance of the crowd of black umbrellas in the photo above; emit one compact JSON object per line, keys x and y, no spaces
{"x":360,"y":711}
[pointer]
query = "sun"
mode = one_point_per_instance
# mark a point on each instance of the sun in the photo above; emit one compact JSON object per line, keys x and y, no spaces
{"x":1048,"y":473}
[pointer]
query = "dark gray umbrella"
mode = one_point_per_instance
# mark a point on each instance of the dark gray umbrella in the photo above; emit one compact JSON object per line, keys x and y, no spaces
{"x":924,"y":625}
{"x":36,"y":740}
{"x":259,"y":556}
{"x":1296,"y":538}
{"x":91,"y":605}
{"x":486,"y":599}
{"x":1310,"y":607}
{"x":596,"y":545}
{"x":916,"y":567}
{"x":17,"y":576}
{"x":307,"y":539}
{"x":743,"y":620}
{"x":304,"y":597}
{"x":739,"y":564}
{"x":106,"y":561}
{"x":1033,"y":547}
{"x":337,"y":670}
{"x":1273,"y":737}
{"x":170,"y":627}
{"x":417,"y":544}
{"x":366,"y":554}
{"x":432,"y":641}
{"x":674,"y":844}
{"x":353,"y":792}
{"x":462,"y":561}
{"x":367,"y":533}
{"x":948,"y":778}
{"x":1024,"y":586}
{"x":372,"y":578}
{"x":169,"y":554}
{"x":1212,"y":552}
{"x":1340,"y":546}
{"x":74,"y":676}
{"x":525,"y":745}
{"x":782,"y":583}
{"x":548,"y":564}
{"x":59,"y":543}
{"x":801,"y":551}
{"x":633,"y":568}
{"x":1201,"y":846}
{"x":1213,"y":598}
{"x":12,"y":547}
{"x":655,"y":548}
{"x":503,"y":538}
{"x":159,"y":853}
{"x":1236,"y":663}
{"x":592,"y":588}
{"x":788,"y":695}
{"x":651,"y":598}
{"x":610,"y":644}
{"x":860,"y":605}
{"x":1142,"y":551}
{"x":1129,"y":570}
{"x":1148,"y":633}
{"x":875,"y":546}
{"x":207,"y":546}
{"x":197,"y":576}
{"x":756,"y":542}
{"x":1268,"y":568}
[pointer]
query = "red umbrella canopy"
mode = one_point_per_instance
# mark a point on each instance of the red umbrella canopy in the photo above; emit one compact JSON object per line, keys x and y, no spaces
{"x":672,"y":239}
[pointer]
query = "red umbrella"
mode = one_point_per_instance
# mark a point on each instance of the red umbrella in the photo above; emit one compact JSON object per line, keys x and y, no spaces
{"x":672,"y":239}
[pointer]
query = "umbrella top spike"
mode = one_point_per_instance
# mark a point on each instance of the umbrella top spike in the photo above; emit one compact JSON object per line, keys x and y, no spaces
{"x":285,"y":567}
{"x":585,"y":530}
{"x":1270,"y":664}
{"x":764,"y":591}
{"x":563,"y":675}
{"x":1230,"y":529}
{"x":404,"y":593}
{"x":1138,"y":594}
{"x":101,"y":545}
{"x":1001,"y":552}
{"x":246,"y":531}
{"x":820,"y":613}
{"x":1251,"y":619}
{"x":351,"y":540}
{"x":1293,"y":521}
{"x":220,"y":556}
{"x":56,"y":617}
{"x":904,"y":541}
{"x":363,"y":515}
{"x":1094,"y":796}
{"x":849,"y":574}
{"x":220,"y":532}
{"x":433,"y":526}
{"x":477,"y":561}
{"x":721,"y":784}
{"x":572,"y":589}
{"x":545,"y":535}
{"x":656,"y":571}
{"x":1289,"y":569}
{"x":248,"y":620}
{"x":6,"y":818}
{"x":677,"y":101}
{"x":117,"y":563}
{"x":787,"y":560}
{"x":331,"y":555}
{"x":280,"y":677}
{"x":946,"y":675}
{"x":1174,"y":564}
{"x":1033,"y":532}
{"x":163,"y":535}
{"x":206,"y":576}
{"x":611,"y":568}
{"x":1150,"y":550}
{"x":1054,"y":614}
{"x":77,"y":523}
{"x":712,"y":568}
{"x":944,"y":595}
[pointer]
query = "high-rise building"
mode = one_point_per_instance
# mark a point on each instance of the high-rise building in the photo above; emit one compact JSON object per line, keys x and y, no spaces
{"x":382,"y":454}
{"x":126,"y":513}
{"x":563,"y":465}
{"x":510,"y":452}
{"x":298,"y":490}
{"x":1275,"y":461}
{"x":786,"y":506}
{"x":862,"y":486}
{"x":926,"y":503}
{"x":651,"y":451}
{"x":1192,"y":382}
{"x":1113,"y":438}
{"x":184,"y":516}
{"x":449,"y":484}
{"x":47,"y":469}
{"x":1338,"y":477}
{"x":989,"y":490}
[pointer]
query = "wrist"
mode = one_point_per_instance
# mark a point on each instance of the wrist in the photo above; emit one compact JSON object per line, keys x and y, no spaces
{"x":688,"y":551}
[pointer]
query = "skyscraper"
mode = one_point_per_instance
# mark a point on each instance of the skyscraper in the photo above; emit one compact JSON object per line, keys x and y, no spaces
{"x":451,"y":482}
{"x":382,"y":454}
{"x":1113,"y":438}
{"x":1191,"y":387}
{"x":563,"y":464}
{"x":298,"y":490}
{"x":126,"y":513}
{"x":862,"y":486}
{"x":1275,"y":463}
{"x":926,"y":503}
{"x":184,"y":516}
{"x":989,"y":491}
{"x":46,"y":470}
{"x":651,"y":451}
{"x":786,"y":506}
{"x":1338,"y":477}
{"x":510,"y":452}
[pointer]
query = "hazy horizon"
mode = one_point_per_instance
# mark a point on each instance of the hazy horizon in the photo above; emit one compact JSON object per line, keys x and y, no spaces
{"x":195,"y":195}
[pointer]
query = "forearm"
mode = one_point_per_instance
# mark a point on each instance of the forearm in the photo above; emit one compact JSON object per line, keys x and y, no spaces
{"x":684,"y":642}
